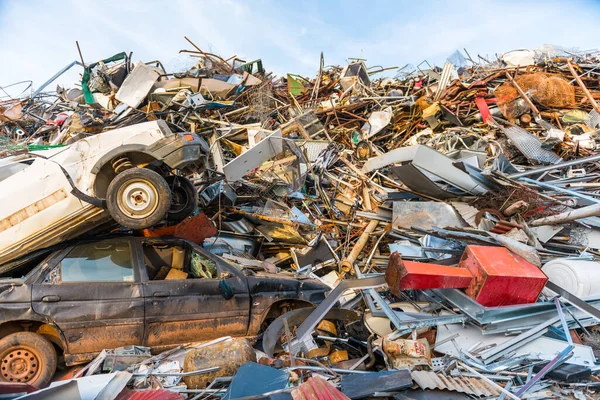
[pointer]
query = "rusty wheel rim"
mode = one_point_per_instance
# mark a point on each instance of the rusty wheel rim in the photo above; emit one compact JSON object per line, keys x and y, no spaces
{"x":20,"y":364}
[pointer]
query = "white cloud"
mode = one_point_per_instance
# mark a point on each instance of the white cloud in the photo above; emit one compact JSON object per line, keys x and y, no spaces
{"x":151,"y":29}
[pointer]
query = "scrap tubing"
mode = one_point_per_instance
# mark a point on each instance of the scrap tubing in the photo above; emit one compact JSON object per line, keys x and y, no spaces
{"x":346,"y":264}
{"x":584,"y":212}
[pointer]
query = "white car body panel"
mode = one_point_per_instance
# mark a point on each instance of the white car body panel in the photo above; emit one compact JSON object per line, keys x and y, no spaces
{"x":38,"y":209}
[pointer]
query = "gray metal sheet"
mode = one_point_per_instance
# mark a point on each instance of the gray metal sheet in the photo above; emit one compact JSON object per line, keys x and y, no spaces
{"x":424,"y":215}
{"x":438,"y":164}
{"x":417,"y":181}
{"x":266,"y":149}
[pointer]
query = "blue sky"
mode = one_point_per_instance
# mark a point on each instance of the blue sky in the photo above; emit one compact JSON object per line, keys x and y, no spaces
{"x":38,"y":37}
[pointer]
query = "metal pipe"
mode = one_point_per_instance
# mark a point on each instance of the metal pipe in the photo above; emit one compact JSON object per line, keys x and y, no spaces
{"x":49,"y":81}
{"x":568,"y":216}
{"x":561,"y":190}
{"x":336,"y":370}
{"x":190,"y":373}
{"x":555,"y":166}
{"x":366,"y":199}
{"x":583,"y":87}
{"x":346,"y":264}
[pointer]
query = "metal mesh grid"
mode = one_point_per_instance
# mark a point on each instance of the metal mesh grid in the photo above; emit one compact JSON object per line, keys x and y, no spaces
{"x":530,"y":146}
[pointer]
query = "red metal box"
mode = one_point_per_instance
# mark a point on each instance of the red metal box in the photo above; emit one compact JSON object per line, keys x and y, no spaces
{"x":500,"y":277}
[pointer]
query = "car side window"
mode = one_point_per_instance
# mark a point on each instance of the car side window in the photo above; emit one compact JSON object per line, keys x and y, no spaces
{"x":169,"y":261}
{"x":106,"y":261}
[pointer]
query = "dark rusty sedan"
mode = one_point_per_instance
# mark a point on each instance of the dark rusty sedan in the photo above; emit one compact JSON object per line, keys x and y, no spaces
{"x":87,"y":296}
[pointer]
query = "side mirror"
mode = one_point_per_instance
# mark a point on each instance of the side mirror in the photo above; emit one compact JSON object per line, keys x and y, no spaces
{"x":226,"y":290}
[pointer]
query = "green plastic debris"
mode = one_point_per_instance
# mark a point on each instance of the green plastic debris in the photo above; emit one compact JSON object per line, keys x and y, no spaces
{"x":294,"y":86}
{"x":38,"y":147}
{"x":574,"y":116}
{"x":356,"y":137}
{"x":87,"y":73}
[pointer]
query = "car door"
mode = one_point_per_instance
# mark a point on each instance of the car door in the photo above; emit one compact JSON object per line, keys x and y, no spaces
{"x":92,"y":293}
{"x":183,"y":298}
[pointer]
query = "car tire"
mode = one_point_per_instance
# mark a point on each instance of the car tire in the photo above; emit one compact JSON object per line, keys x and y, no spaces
{"x":184,"y":198}
{"x":138,"y":198}
{"x":26,"y":357}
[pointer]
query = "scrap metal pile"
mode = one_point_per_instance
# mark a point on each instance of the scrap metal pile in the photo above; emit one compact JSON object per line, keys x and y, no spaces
{"x":452,"y":210}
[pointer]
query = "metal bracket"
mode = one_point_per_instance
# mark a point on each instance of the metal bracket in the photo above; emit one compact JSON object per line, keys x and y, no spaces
{"x":305,"y":329}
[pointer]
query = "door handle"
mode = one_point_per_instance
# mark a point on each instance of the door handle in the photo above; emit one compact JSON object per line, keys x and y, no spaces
{"x":160,"y":294}
{"x":51,"y":299}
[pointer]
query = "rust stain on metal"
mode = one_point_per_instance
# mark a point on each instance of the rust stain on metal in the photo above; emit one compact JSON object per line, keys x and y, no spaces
{"x":32,"y":209}
{"x":195,"y":229}
{"x":395,"y":272}
{"x":228,"y":356}
{"x":192,"y":331}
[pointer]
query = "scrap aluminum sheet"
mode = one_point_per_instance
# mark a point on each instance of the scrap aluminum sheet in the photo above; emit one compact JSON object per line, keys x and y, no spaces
{"x":544,"y":348}
{"x":424,"y":215}
{"x":530,"y":146}
{"x":473,"y":386}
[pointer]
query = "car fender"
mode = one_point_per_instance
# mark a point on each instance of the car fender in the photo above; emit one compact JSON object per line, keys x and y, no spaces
{"x":128,"y":148}
{"x":41,"y":325}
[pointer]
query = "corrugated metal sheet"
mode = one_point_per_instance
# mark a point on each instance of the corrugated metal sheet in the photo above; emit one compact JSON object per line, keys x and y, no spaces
{"x":318,"y":389}
{"x":467,"y":212}
{"x":445,"y":79}
{"x":474,"y":386}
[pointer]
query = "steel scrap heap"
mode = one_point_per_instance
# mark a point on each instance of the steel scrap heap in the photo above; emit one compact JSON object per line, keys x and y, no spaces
{"x":452,"y":211}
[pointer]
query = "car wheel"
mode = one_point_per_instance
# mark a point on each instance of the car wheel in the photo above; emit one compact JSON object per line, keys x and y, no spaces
{"x":184,"y":198}
{"x":138,"y":198}
{"x":26,"y":357}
